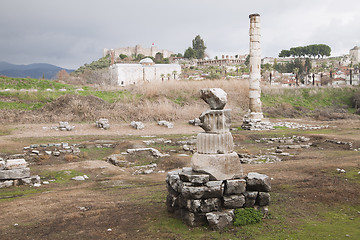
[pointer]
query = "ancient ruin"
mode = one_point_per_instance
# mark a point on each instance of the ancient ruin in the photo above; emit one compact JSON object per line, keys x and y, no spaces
{"x":14,"y":172}
{"x":255,"y":119}
{"x":214,"y":186}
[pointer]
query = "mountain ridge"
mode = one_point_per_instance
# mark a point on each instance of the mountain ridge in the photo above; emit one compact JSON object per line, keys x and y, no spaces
{"x":34,"y":70}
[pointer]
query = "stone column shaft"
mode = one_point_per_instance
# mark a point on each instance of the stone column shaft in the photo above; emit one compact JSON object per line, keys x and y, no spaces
{"x":255,"y":68}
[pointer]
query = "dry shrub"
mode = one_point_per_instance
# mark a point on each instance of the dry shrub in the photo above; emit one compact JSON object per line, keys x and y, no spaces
{"x":69,"y":157}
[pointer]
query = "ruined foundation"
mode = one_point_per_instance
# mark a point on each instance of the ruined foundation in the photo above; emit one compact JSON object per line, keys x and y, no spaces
{"x":197,"y":200}
{"x":214,"y":186}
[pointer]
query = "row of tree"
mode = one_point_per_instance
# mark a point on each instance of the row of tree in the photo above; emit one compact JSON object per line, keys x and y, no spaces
{"x":314,"y":50}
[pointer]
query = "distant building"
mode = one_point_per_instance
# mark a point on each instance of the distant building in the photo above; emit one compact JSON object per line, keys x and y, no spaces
{"x":226,"y":60}
{"x":355,"y":54}
{"x":131,"y":51}
{"x":145,"y":71}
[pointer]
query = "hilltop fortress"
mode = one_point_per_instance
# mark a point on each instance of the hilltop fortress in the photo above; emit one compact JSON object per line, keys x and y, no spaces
{"x":130,"y":51}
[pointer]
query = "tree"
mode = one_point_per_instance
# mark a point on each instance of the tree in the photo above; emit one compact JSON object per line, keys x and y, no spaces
{"x":123,"y":56}
{"x":174,"y":73}
{"x":162,"y":76}
{"x":199,"y":47}
{"x":284,"y":53}
{"x":190,"y":53}
{"x":159,"y":57}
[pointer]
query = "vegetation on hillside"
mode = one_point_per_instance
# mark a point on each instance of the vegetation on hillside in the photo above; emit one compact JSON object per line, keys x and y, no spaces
{"x":314,"y":50}
{"x":51,"y":101}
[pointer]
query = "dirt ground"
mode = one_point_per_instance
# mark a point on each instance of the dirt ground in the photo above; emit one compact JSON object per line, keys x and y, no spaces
{"x":114,"y":204}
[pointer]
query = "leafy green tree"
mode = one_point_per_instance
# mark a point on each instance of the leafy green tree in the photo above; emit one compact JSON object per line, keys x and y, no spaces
{"x":284,"y":53}
{"x":199,"y":47}
{"x":190,"y":53}
{"x":123,"y":56}
{"x":247,"y":60}
{"x":159,"y":57}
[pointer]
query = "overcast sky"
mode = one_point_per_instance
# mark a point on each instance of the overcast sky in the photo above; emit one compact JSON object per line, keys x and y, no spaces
{"x":69,"y":33}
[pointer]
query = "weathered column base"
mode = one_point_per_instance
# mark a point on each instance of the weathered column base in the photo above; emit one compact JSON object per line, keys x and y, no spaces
{"x":218,"y":166}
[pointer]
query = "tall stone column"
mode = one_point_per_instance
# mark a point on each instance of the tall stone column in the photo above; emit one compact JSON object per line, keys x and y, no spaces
{"x":255,"y":68}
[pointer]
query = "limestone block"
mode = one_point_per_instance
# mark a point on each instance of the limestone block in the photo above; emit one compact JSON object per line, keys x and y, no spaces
{"x":15,"y":163}
{"x":8,"y":183}
{"x":212,"y":143}
{"x":250,"y":198}
{"x":236,"y":186}
{"x":166,"y":124}
{"x":172,"y":202}
{"x":220,"y":220}
{"x":2,"y":164}
{"x":103,"y":123}
{"x":258,"y":182}
{"x":216,"y":121}
{"x":137,"y":125}
{"x":212,"y":189}
{"x":193,"y":177}
{"x":215,"y":97}
{"x":193,"y":219}
{"x":263,"y":199}
{"x":234,"y":201}
{"x":173,"y":179}
{"x":14,"y":173}
{"x":203,"y":205}
{"x":219,"y":166}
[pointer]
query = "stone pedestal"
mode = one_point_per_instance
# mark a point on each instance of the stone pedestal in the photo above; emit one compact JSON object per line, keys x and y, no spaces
{"x":218,"y":166}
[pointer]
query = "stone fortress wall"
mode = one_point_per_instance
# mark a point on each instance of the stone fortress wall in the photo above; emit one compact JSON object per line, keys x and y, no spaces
{"x":128,"y":74}
{"x":355,"y":54}
{"x":129,"y":51}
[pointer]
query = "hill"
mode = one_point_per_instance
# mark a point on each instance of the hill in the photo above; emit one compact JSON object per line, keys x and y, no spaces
{"x":35,"y":70}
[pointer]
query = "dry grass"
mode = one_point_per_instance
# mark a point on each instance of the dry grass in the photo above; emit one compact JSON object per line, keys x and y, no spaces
{"x":170,"y":101}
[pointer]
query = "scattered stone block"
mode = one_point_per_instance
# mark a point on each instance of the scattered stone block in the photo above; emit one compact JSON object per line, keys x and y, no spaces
{"x":2,"y":164}
{"x":103,"y":123}
{"x":166,"y":124}
{"x":195,"y":178}
{"x":250,"y":198}
{"x":7,"y":183}
{"x":236,"y":186}
{"x":258,"y":182}
{"x":203,"y":205}
{"x":14,"y":173}
{"x":213,"y":189}
{"x":220,"y":220}
{"x":234,"y":201}
{"x":193,"y":219}
{"x":137,"y":125}
{"x":216,"y":98}
{"x":263,"y":199}
{"x":78,"y":178}
{"x":15,"y":163}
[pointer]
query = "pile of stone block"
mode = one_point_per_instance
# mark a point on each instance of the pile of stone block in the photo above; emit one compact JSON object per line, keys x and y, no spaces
{"x":15,"y":172}
{"x":166,"y":124}
{"x":137,"y":125}
{"x":54,"y":149}
{"x":103,"y":123}
{"x":64,"y":126}
{"x":198,"y":200}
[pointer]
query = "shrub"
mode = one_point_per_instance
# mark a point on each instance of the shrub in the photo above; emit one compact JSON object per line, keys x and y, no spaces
{"x":245,"y":216}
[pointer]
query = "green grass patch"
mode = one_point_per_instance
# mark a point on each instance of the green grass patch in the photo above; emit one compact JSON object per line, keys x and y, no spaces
{"x":20,"y":105}
{"x":95,"y":153}
{"x":60,"y":177}
{"x":8,"y":194}
{"x":30,"y":83}
{"x":246,"y":216}
{"x":310,"y":98}
{"x":110,"y":96}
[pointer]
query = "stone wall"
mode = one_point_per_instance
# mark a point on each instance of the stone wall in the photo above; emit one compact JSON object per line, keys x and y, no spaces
{"x":198,"y":200}
{"x":127,"y":74}
{"x":129,"y":51}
